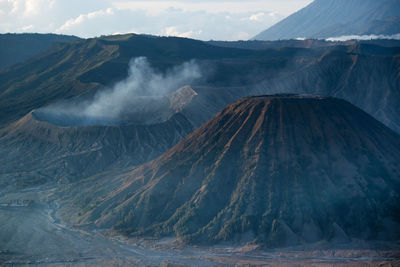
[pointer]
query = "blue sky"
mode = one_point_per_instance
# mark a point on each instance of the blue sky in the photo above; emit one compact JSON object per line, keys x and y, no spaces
{"x":199,"y":19}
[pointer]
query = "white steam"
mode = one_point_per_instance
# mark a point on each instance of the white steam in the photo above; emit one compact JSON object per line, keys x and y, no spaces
{"x":112,"y":104}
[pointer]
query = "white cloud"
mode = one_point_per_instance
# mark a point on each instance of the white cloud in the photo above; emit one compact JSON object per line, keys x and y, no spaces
{"x":285,"y":7}
{"x":16,"y":6}
{"x":33,"y":7}
{"x":200,"y":19}
{"x":27,"y":28}
{"x":82,"y":18}
{"x":172,"y":22}
{"x":173,"y":31}
{"x":26,"y":8}
{"x":16,"y":15}
{"x":273,"y":14}
{"x":363,"y":37}
{"x":257,"y":17}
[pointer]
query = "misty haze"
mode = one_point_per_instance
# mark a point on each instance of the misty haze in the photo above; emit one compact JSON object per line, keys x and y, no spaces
{"x":143,"y":91}
{"x":198,"y":133}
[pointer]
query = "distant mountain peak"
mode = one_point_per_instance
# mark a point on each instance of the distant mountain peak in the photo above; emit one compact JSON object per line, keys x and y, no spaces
{"x":323,"y":19}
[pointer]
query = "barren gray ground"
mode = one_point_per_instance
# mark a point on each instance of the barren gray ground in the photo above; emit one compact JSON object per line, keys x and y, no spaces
{"x":32,"y":235}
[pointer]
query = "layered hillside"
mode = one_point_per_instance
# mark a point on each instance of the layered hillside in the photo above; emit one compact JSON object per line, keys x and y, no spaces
{"x":82,"y":68}
{"x":278,"y":170}
{"x":50,"y":77}
{"x":334,"y":18}
{"x":35,"y":152}
{"x":365,"y":74}
{"x":366,"y":77}
{"x":16,"y":48}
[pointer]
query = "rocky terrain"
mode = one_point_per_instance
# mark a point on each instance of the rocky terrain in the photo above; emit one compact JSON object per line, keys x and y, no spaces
{"x":278,"y":170}
{"x":310,"y":173}
{"x":37,"y":149}
{"x":34,"y":235}
{"x":365,"y":74}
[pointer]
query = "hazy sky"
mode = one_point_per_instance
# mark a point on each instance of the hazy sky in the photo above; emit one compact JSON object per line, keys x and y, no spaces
{"x":199,"y":19}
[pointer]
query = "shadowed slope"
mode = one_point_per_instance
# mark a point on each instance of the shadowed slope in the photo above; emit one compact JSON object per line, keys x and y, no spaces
{"x":364,"y":74}
{"x":38,"y":152}
{"x":16,"y":48}
{"x":280,"y":170}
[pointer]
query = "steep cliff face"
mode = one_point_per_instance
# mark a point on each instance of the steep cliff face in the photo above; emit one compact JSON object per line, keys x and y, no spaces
{"x":369,"y":82}
{"x":278,"y":170}
{"x":365,"y":75}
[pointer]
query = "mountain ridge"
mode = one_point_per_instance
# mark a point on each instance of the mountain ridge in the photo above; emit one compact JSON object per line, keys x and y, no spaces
{"x":83,"y":68}
{"x":16,"y":48}
{"x":335,"y":18}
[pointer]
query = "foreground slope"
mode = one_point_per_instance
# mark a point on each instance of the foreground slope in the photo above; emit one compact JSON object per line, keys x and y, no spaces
{"x":279,"y":170}
{"x":334,"y":18}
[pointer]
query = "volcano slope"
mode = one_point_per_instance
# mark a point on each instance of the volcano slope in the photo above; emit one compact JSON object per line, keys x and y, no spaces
{"x":278,"y":170}
{"x":365,"y":74}
{"x":36,"y":150}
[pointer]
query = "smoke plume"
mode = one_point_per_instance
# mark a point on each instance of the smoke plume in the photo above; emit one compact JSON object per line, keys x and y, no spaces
{"x":110,"y":105}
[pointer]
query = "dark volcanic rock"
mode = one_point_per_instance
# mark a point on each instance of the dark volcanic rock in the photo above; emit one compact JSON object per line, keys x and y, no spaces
{"x":366,"y":74}
{"x":38,"y":151}
{"x":53,"y":145}
{"x":279,"y":170}
{"x":370,"y":82}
